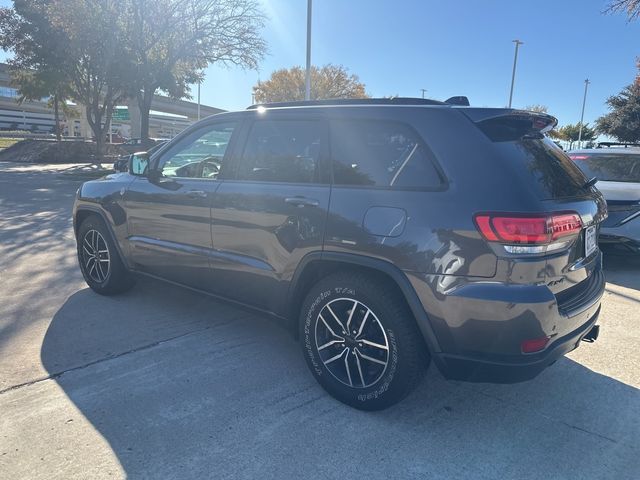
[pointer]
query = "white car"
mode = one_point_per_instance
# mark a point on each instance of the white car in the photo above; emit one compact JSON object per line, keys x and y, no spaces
{"x":618,"y":172}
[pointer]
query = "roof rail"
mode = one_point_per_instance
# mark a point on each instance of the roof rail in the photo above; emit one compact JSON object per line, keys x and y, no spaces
{"x":617,"y":144}
{"x":351,"y":101}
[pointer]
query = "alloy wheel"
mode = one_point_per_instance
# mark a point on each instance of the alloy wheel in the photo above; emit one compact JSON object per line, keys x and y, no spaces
{"x":95,"y":256}
{"x":351,"y":342}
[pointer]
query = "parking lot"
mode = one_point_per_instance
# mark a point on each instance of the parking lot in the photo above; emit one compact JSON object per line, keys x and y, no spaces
{"x":164,"y":383}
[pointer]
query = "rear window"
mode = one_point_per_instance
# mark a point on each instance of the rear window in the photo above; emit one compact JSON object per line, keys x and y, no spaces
{"x":381,"y":154}
{"x":609,"y":167}
{"x":540,"y":162}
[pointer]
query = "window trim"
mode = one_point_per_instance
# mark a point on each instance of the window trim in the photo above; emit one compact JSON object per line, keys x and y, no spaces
{"x":160,"y":158}
{"x":444,"y":181}
{"x":323,"y":177}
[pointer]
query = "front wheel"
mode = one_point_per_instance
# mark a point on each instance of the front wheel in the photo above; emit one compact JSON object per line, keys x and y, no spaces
{"x":100,"y":263}
{"x":360,"y":341}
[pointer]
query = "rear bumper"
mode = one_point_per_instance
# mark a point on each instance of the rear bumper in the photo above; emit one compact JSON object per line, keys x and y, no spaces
{"x":515,"y":369}
{"x":481,"y":325}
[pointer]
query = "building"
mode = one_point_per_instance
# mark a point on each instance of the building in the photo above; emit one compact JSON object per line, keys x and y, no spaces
{"x":167,"y":118}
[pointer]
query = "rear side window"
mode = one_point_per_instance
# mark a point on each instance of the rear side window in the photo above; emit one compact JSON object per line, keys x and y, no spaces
{"x":542,"y":165}
{"x":381,"y":154}
{"x":609,"y":167}
{"x":282,"y":151}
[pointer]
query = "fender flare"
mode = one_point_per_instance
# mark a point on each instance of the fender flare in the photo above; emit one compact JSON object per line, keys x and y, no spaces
{"x":382,"y":266}
{"x":100,"y":212}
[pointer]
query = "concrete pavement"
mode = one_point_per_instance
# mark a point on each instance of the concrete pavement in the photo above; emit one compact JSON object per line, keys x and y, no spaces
{"x":164,"y":383}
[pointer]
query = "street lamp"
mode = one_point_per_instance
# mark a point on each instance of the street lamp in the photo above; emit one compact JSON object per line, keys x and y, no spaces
{"x":307,"y":80}
{"x":423,"y":90}
{"x":584,"y":101}
{"x":513,"y":74}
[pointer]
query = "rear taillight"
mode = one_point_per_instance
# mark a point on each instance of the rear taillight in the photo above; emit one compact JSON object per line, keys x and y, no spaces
{"x":578,"y":157}
{"x":519,"y":230}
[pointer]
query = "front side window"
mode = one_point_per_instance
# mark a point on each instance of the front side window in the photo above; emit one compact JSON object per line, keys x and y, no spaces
{"x":282,"y":151}
{"x":199,"y":155}
{"x":382,"y":154}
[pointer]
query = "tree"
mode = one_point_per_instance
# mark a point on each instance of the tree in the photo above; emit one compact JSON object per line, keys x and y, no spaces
{"x":328,"y":82}
{"x":630,"y":7}
{"x":536,"y":108}
{"x":623,"y":121}
{"x":93,"y":62}
{"x":38,"y":66}
{"x":571,"y":133}
{"x":170,"y":42}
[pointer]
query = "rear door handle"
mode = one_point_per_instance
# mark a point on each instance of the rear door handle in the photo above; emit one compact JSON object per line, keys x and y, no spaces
{"x":302,"y":201}
{"x":196,"y":194}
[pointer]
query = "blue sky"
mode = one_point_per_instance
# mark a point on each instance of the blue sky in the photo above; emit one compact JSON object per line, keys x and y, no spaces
{"x":451,"y":48}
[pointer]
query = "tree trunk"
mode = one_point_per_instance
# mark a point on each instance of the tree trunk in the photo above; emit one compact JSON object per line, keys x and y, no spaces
{"x":144,"y":104}
{"x":95,"y":122}
{"x":57,"y":117}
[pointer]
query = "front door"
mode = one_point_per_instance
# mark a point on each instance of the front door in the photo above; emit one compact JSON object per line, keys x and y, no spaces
{"x":273,"y":211}
{"x":169,"y":217}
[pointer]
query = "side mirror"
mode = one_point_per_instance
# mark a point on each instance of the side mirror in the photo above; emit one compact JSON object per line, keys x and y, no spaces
{"x":139,"y":164}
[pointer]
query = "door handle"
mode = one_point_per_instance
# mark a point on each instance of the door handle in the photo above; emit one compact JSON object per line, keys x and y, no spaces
{"x":302,"y":201}
{"x":196,"y":194}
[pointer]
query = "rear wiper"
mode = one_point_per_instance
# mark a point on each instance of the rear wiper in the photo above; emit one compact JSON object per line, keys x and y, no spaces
{"x":590,"y":183}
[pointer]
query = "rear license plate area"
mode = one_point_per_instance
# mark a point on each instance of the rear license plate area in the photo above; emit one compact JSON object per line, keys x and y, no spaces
{"x":590,"y":240}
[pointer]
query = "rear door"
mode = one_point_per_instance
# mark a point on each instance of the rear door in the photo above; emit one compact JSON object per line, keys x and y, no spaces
{"x":273,"y":210}
{"x":169,"y":218}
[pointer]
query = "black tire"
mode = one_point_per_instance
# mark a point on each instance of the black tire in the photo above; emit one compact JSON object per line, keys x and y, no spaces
{"x":109,"y":276}
{"x":360,"y":380}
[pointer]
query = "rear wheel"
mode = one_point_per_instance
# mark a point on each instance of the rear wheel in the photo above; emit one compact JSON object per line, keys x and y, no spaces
{"x":360,"y":341}
{"x":100,"y":263}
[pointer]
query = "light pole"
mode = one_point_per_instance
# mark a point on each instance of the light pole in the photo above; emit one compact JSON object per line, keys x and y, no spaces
{"x":307,"y":80}
{"x":513,"y":74}
{"x":584,"y":101}
{"x":423,"y":90}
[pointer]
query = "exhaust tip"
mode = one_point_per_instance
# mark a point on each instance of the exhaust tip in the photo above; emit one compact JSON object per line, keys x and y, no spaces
{"x":592,"y":335}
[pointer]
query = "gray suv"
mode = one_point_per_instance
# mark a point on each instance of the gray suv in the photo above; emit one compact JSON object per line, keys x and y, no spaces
{"x":385,"y":233}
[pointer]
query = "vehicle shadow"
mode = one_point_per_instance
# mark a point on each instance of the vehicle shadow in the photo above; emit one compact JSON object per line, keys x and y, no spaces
{"x":182,"y":386}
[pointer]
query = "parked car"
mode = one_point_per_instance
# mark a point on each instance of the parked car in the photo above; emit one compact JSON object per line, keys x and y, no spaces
{"x":617,"y":171}
{"x":122,"y":164}
{"x":134,"y":145}
{"x":384,"y":233}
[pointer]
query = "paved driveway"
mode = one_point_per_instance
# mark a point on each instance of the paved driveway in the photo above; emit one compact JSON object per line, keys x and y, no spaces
{"x":163,"y":383}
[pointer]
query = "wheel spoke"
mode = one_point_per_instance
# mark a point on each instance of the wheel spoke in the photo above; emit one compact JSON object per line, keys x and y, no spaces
{"x":336,"y":318}
{"x":353,"y":309}
{"x":328,"y":344}
{"x":101,"y":275}
{"x":329,"y":328}
{"x":357,"y":355}
{"x":86,"y":250}
{"x":364,"y":320}
{"x":371,"y":359}
{"x":346,"y":366}
{"x":373,"y":344}
{"x":336,"y":357}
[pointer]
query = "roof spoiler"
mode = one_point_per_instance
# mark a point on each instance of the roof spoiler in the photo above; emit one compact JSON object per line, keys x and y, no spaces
{"x":505,"y":124}
{"x":459,"y":100}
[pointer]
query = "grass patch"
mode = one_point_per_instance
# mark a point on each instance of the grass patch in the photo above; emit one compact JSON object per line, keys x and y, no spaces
{"x":7,"y":142}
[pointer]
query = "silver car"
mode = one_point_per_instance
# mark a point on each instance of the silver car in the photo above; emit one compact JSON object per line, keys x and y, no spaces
{"x":618,"y":173}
